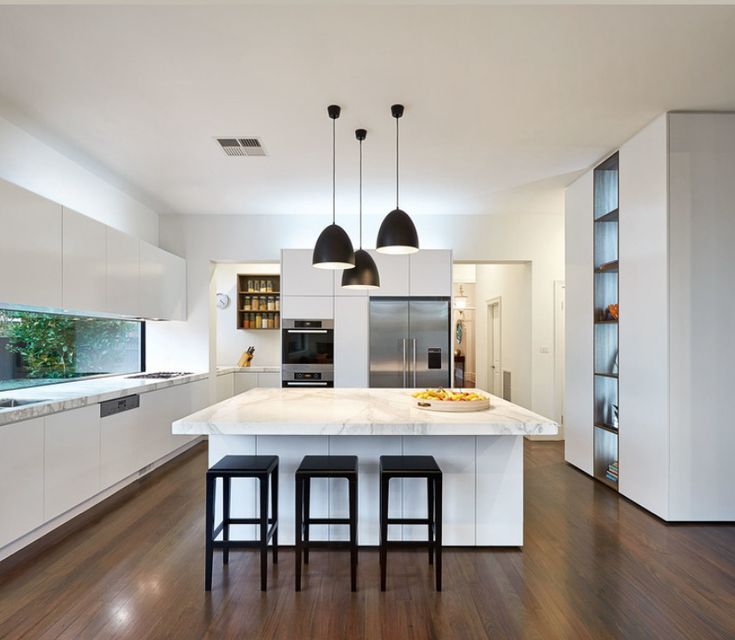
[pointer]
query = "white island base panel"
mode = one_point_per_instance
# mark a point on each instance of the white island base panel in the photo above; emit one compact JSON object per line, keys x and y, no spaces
{"x":482,"y":477}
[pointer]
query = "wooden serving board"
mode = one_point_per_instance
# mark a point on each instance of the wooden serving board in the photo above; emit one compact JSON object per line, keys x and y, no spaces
{"x":452,"y":406}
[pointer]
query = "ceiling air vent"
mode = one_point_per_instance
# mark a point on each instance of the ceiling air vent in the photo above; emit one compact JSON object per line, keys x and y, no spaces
{"x":242,"y":146}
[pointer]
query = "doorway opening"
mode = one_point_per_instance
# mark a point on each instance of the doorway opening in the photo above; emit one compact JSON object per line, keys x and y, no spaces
{"x":494,"y":324}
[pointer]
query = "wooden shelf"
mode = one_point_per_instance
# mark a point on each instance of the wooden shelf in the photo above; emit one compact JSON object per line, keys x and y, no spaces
{"x":244,"y":294}
{"x":252,"y":294}
{"x":258,"y":311}
{"x":606,"y":427}
{"x":607,"y":375}
{"x":606,"y":322}
{"x":605,"y":480}
{"x":610,"y":216}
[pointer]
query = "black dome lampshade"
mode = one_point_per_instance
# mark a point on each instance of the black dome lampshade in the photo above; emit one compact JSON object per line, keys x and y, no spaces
{"x":365,"y":274}
{"x":397,"y":233}
{"x":333,"y":248}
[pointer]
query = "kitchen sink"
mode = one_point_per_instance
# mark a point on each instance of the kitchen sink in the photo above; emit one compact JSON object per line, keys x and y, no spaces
{"x":11,"y":403}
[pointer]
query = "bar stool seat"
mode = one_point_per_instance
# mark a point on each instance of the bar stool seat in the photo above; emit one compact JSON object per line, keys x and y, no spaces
{"x":324,"y":467}
{"x":424,"y":467}
{"x":261,"y":468}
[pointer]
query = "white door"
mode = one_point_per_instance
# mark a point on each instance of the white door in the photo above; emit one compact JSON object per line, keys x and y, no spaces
{"x":495,"y":367}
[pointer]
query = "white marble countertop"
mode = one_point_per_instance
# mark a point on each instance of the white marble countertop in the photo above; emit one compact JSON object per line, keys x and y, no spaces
{"x":64,"y":396}
{"x":268,"y":368}
{"x":354,"y":412}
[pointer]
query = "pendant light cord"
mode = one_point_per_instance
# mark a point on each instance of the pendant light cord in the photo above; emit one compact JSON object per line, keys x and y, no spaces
{"x":360,"y":194}
{"x":397,"y":182}
{"x":334,"y":174}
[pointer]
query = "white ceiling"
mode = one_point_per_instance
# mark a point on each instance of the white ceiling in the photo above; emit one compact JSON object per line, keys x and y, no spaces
{"x":504,"y":105}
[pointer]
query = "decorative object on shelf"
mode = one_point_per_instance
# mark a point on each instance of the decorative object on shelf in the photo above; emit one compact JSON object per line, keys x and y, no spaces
{"x":611,"y":267}
{"x":397,"y":233}
{"x":333,"y":249}
{"x":614,"y":416}
{"x":614,"y":311}
{"x":365,"y":274}
{"x":247,"y":357}
{"x":614,"y":369}
{"x":223,"y":301}
{"x":459,"y":331}
{"x":612,"y":472}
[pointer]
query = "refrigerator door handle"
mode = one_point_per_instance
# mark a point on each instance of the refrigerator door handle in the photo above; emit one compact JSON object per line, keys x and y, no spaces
{"x":414,"y":363}
{"x":405,"y":363}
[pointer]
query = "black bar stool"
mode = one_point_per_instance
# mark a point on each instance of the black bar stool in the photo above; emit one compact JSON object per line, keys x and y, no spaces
{"x":325,"y":467}
{"x":262,"y":468}
{"x":412,"y":467}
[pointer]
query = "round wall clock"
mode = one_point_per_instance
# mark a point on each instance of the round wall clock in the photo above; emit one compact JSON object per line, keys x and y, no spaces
{"x":223,"y":300}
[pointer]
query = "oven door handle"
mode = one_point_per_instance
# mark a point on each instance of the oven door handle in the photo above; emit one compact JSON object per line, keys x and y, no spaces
{"x":306,"y":384}
{"x":307,"y":330}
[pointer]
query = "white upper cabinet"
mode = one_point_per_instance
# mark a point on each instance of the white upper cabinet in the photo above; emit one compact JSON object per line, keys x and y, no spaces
{"x":123,"y":273}
{"x":430,"y":272}
{"x":84,"y":250}
{"x":30,"y":248}
{"x":307,"y":307}
{"x":162,"y":284}
{"x":300,"y":278}
{"x":393,"y":270}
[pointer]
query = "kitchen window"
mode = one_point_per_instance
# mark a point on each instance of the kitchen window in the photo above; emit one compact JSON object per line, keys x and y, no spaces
{"x":46,"y":348}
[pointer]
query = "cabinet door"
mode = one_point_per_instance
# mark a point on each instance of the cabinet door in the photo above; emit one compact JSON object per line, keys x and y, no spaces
{"x":300,"y":278}
{"x":21,"y":478}
{"x":269,"y":380}
{"x":72,"y":459}
{"x":430,"y":273}
{"x":245,"y":381}
{"x":162,"y":284}
{"x":393,"y":274}
{"x":307,"y":307}
{"x":30,"y":248}
{"x":351,"y":342}
{"x":84,"y":244}
{"x":123,"y":273}
{"x":199,"y":394}
{"x":225,"y":386}
{"x":120,"y":441}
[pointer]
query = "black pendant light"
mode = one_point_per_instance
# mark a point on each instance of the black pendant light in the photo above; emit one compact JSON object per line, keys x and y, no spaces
{"x":333,"y":248}
{"x":365,"y":274}
{"x":397,"y":233}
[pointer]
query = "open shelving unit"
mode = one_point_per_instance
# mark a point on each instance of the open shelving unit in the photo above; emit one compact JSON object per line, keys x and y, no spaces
{"x":605,"y":331}
{"x":256,"y":305}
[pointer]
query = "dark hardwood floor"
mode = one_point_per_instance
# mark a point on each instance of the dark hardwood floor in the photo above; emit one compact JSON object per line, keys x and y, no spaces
{"x":594,"y":566}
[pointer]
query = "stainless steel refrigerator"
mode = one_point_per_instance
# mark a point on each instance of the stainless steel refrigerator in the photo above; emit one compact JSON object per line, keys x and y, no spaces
{"x":409,"y":342}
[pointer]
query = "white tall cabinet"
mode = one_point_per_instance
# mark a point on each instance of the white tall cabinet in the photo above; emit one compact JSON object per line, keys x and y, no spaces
{"x":677,"y":233}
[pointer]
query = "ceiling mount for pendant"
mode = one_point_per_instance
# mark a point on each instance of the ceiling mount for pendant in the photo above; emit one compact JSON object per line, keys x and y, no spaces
{"x":365,"y":274}
{"x":333,"y":248}
{"x":397,"y":233}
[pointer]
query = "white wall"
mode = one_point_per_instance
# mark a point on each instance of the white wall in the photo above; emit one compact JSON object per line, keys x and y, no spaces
{"x":538,"y":239}
{"x":33,"y":165}
{"x":231,"y":341}
{"x":512,"y":284}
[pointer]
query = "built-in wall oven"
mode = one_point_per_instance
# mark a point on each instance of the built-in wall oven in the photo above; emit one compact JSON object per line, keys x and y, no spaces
{"x":308,"y":353}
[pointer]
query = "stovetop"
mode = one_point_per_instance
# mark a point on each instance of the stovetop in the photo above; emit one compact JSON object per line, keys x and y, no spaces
{"x":162,"y":374}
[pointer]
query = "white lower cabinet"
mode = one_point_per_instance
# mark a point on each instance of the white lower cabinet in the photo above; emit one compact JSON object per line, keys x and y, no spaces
{"x":157,"y":411}
{"x":244,"y":381}
{"x":72,"y":459}
{"x":21,"y":478}
{"x":269,"y":379}
{"x":120,"y":437}
{"x":199,"y":395}
{"x":225,"y":387}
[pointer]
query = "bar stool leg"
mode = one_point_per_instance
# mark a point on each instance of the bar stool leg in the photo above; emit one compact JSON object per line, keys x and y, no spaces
{"x":438,"y":520}
{"x":430,"y":511}
{"x":353,"y":533}
{"x":208,"y":529}
{"x":263,"y":531}
{"x":274,"y":512}
{"x":384,"y":487}
{"x":226,"y":505}
{"x":299,"y":530}
{"x":307,"y":515}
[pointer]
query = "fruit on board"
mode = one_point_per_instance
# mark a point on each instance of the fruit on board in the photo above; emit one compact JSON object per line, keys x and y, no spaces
{"x":447,"y":395}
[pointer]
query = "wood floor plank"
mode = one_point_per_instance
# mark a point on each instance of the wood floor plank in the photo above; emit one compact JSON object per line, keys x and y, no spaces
{"x":593,"y":566}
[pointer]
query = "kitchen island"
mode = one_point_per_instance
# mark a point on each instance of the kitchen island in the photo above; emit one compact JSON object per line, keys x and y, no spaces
{"x":480,"y":453}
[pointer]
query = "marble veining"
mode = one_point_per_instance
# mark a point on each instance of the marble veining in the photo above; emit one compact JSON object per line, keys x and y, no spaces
{"x":354,"y":412}
{"x":80,"y":393}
